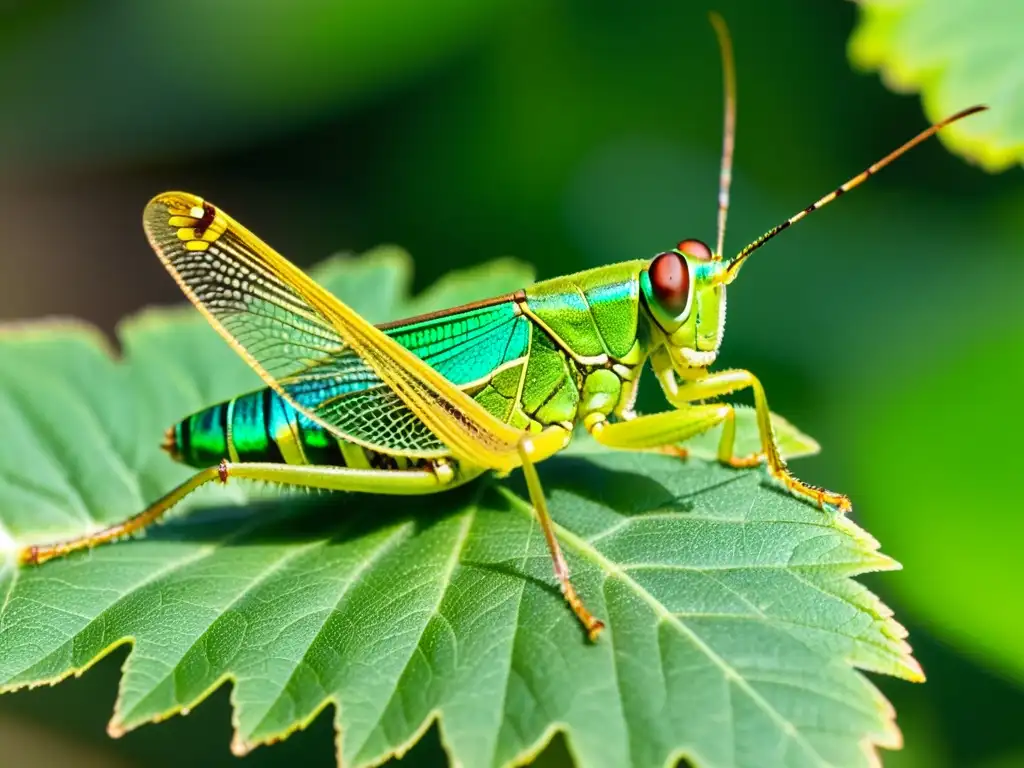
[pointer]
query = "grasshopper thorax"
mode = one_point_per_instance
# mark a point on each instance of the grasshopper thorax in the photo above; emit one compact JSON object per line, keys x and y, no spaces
{"x":684,"y":292}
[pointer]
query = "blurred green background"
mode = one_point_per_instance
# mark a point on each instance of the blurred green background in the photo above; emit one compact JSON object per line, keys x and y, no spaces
{"x":568,"y":134}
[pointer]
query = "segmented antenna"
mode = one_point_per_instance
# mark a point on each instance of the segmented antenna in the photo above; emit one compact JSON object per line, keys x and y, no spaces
{"x":737,"y":262}
{"x":729,"y":127}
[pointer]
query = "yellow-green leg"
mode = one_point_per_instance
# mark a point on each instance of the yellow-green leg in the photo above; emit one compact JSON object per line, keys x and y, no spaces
{"x":661,"y":431}
{"x":674,"y":426}
{"x":529,"y":455}
{"x":416,"y":482}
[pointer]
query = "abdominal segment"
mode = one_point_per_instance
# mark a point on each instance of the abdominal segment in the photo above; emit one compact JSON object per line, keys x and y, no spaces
{"x":262,"y":427}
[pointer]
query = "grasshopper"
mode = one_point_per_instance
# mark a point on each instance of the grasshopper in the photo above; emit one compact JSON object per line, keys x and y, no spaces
{"x":429,"y":403}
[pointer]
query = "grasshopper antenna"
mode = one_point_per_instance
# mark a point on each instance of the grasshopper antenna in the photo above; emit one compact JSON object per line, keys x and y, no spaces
{"x":734,"y":266}
{"x":729,"y":128}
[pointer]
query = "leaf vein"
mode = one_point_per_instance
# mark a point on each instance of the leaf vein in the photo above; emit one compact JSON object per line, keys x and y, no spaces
{"x":730,"y":673}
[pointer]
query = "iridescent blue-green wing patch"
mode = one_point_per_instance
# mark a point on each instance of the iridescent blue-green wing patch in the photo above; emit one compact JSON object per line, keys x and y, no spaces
{"x":466,"y":346}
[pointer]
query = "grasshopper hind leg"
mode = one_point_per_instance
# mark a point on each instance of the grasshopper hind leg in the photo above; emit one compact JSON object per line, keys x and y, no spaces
{"x":438,"y":476}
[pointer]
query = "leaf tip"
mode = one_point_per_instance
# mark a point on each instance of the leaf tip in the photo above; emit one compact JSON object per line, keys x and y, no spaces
{"x":912,"y":670}
{"x":115,"y":729}
{"x":239,"y":748}
{"x":907,"y":667}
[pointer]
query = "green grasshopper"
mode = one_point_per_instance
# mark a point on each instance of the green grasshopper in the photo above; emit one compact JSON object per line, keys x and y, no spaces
{"x":429,"y":403}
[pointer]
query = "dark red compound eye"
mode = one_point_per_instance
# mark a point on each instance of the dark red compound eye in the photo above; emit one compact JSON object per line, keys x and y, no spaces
{"x":670,"y":279}
{"x":695,"y":248}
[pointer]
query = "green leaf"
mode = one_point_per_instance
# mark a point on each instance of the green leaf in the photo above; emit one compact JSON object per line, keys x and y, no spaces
{"x":734,"y":631}
{"x":956,"y":54}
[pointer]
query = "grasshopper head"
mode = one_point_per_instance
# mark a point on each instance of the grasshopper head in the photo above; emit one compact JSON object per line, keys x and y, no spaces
{"x":684,"y":292}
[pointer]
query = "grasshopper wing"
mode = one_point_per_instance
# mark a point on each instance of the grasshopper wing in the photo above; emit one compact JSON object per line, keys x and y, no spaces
{"x":311,"y":348}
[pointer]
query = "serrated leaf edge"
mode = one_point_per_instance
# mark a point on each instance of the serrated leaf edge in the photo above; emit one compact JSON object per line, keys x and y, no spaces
{"x":891,"y":738}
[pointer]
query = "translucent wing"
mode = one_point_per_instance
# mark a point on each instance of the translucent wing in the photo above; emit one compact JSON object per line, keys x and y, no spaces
{"x":315,"y":351}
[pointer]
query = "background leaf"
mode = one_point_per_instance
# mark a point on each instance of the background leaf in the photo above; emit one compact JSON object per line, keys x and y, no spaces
{"x":956,"y":54}
{"x":734,"y":625}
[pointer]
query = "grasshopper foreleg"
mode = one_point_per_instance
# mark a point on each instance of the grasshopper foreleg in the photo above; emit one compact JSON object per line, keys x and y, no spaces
{"x":722,"y":383}
{"x":665,"y":429}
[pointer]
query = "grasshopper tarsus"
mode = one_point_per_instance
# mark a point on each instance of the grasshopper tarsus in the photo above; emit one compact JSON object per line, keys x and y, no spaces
{"x":747,"y":462}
